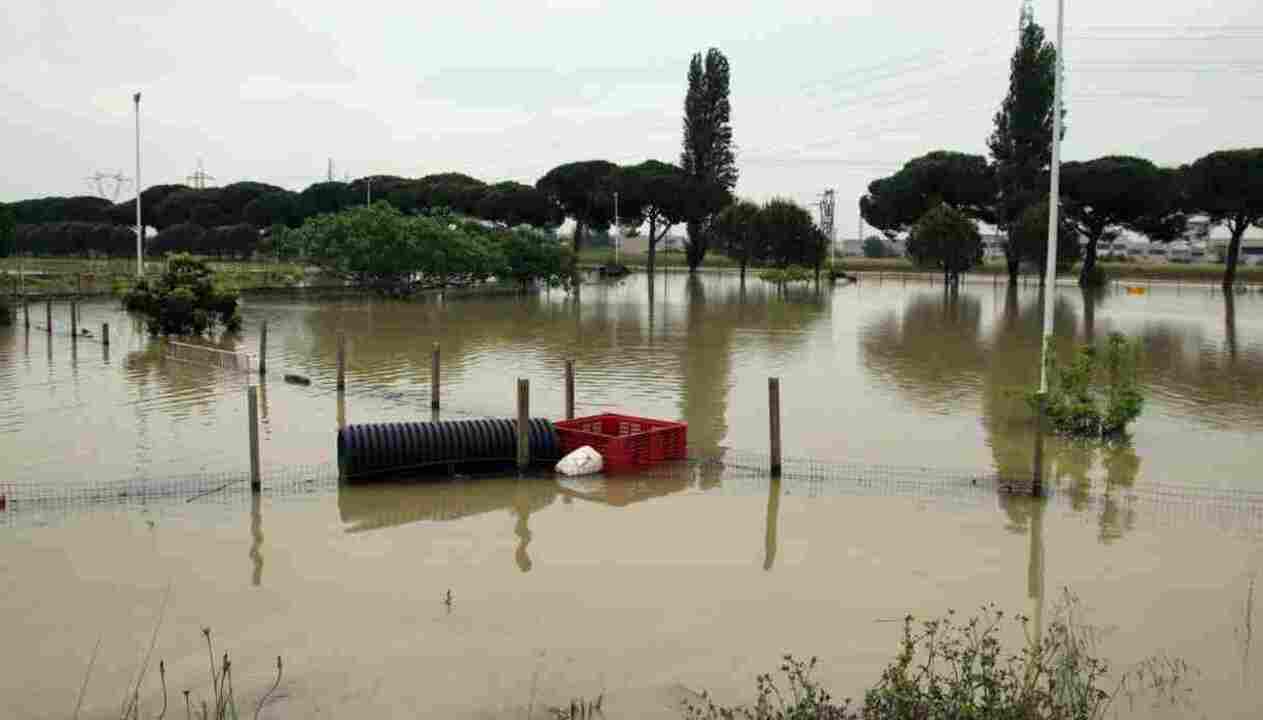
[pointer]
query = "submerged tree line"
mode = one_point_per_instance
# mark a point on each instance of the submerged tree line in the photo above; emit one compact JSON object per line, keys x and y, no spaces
{"x":938,"y":199}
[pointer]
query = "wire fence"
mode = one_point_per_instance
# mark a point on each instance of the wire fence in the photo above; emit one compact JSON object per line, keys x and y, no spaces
{"x":1116,"y":510}
{"x":209,"y":356}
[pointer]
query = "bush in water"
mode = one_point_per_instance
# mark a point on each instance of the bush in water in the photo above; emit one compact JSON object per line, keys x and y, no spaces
{"x":1081,"y":403}
{"x":184,"y":301}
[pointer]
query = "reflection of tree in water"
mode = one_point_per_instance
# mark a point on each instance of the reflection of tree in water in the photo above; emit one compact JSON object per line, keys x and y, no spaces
{"x":932,"y":350}
{"x":937,"y":353}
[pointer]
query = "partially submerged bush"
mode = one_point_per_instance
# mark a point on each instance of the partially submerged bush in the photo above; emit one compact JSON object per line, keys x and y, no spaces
{"x":184,"y":301}
{"x":781,"y":276}
{"x":946,"y":669}
{"x":1083,"y":404}
{"x":5,"y":311}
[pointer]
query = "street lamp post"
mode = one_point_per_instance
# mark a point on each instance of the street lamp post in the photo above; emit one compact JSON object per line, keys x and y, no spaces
{"x":1054,"y":204}
{"x":140,"y":227}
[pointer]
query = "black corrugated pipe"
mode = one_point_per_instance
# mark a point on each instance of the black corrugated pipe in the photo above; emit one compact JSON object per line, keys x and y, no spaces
{"x":366,"y":450}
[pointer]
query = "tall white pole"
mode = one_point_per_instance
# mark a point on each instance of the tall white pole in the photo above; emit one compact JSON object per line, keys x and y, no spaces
{"x":1054,"y":202}
{"x":368,"y":192}
{"x":618,"y":240}
{"x":140,"y":227}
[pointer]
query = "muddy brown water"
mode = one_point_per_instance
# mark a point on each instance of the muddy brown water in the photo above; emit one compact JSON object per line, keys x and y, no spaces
{"x":648,"y":588}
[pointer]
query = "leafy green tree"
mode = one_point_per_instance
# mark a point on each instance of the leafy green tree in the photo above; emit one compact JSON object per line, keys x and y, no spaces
{"x":184,"y":301}
{"x":1166,"y":219}
{"x":1029,"y":240}
{"x":451,"y":190}
{"x":8,"y":231}
{"x":790,"y":235}
{"x":740,"y":233}
{"x":180,"y":238}
{"x":1227,"y":187}
{"x":966,"y":182}
{"x":874,"y":247}
{"x":658,"y":193}
{"x":1106,"y":195}
{"x":61,"y":209}
{"x":1021,"y":144}
{"x":273,"y":208}
{"x":233,"y":199}
{"x":516,"y":204}
{"x":708,"y":156}
{"x":124,"y":213}
{"x":583,"y":191}
{"x":326,"y":197}
{"x":531,"y":256}
{"x":945,"y":238}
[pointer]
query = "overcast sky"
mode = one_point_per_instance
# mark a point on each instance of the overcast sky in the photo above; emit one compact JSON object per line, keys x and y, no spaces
{"x":824,"y":94}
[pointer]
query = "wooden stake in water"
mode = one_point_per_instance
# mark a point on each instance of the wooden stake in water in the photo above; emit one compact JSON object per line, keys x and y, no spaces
{"x":523,"y":423}
{"x":74,"y":320}
{"x":263,"y":348}
{"x":434,"y":378}
{"x":570,"y":389}
{"x":341,"y":361}
{"x":252,"y":405}
{"x":26,"y":313}
{"x":48,"y":315}
{"x":105,"y":334}
{"x":774,"y":423}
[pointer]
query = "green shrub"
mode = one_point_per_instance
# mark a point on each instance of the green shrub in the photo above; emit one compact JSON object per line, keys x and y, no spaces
{"x":1083,"y":404}
{"x":184,"y":301}
{"x":946,"y":669}
{"x":791,"y":274}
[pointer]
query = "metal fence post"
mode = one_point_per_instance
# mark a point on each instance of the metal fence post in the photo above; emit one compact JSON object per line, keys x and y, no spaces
{"x":263,"y":348}
{"x":774,"y":423}
{"x":523,"y":423}
{"x":252,"y":405}
{"x":570,"y":389}
{"x":341,"y":361}
{"x":434,"y":378}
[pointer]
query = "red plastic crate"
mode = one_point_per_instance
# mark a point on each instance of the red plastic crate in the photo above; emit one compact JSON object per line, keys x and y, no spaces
{"x":625,"y":442}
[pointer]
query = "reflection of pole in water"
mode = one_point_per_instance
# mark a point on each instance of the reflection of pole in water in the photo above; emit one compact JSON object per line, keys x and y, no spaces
{"x":1230,"y":323}
{"x":341,"y":409}
{"x":256,"y":539}
{"x":522,"y":508}
{"x":1246,"y":633}
{"x":1035,"y":560}
{"x":773,"y":513}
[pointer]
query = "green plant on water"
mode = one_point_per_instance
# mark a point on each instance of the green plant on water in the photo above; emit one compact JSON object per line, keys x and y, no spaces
{"x":782,"y":276}
{"x":1096,"y":395}
{"x":185,"y":300}
{"x":947,"y":669}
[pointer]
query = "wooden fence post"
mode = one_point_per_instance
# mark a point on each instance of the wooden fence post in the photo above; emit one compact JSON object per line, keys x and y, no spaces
{"x":26,"y":313}
{"x":263,"y":348}
{"x":105,"y":334}
{"x":523,"y":423}
{"x":48,"y":315}
{"x":341,"y":362}
{"x":74,"y":319}
{"x":252,"y":405}
{"x":774,"y":423}
{"x":570,"y":389}
{"x":434,"y":378}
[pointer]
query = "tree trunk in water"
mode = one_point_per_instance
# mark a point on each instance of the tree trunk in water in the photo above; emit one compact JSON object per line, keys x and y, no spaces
{"x":1234,"y":253}
{"x":653,"y":243}
{"x":696,"y":250}
{"x":578,"y":242}
{"x":1089,"y":262}
{"x":1230,"y":323}
{"x":1014,"y":266}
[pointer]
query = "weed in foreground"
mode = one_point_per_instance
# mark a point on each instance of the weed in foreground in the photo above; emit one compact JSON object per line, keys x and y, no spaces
{"x":948,"y":669}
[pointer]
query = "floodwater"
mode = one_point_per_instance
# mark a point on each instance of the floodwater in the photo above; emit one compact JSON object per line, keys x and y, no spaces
{"x":647,"y":588}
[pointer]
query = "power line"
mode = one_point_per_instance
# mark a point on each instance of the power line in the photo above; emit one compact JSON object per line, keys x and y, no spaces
{"x":108,"y":186}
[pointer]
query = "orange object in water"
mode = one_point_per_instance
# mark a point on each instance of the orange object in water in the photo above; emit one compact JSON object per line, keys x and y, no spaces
{"x":1135,"y":291}
{"x":3,"y":502}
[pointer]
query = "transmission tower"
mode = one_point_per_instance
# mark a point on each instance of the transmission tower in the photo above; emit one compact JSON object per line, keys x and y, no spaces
{"x":199,"y":177}
{"x":108,"y":186}
{"x":827,"y":199}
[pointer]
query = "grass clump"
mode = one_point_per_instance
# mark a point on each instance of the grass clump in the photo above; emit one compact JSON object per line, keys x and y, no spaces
{"x":947,"y":669}
{"x":1095,"y":396}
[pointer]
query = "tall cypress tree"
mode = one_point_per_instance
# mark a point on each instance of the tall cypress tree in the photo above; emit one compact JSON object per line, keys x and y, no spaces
{"x":1021,"y":145}
{"x":708,"y":155}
